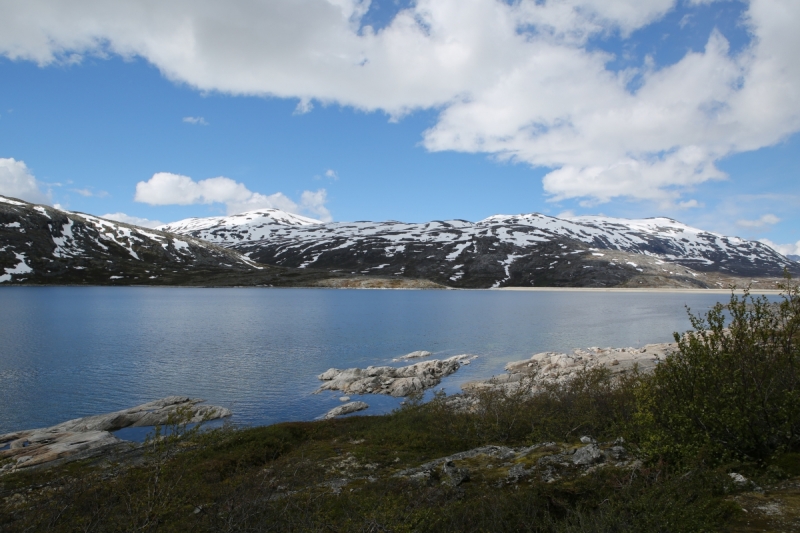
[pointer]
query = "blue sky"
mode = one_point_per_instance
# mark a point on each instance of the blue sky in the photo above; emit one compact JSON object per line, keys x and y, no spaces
{"x":439,"y":110}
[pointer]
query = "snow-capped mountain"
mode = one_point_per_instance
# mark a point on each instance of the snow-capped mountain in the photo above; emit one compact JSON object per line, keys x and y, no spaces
{"x":41,"y":244}
{"x":245,"y":226}
{"x":502,"y":250}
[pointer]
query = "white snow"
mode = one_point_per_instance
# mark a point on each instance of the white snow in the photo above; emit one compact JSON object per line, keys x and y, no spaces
{"x":21,"y":268}
{"x":305,"y":239}
{"x":10,"y":201}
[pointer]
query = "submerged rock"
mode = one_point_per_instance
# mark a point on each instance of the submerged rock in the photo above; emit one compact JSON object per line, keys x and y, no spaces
{"x":394,"y":381}
{"x":413,"y":355}
{"x":75,"y":438}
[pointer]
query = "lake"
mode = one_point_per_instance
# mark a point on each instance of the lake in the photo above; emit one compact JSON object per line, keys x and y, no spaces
{"x":67,"y":352}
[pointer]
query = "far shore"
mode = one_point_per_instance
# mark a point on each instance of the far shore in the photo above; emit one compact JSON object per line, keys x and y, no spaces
{"x":643,"y":289}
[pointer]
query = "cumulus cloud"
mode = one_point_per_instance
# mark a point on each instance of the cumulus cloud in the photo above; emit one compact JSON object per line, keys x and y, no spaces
{"x":330,"y":173}
{"x":765,"y":220}
{"x":517,"y":80}
{"x":166,"y":188}
{"x":783,"y":249}
{"x":197,"y":121}
{"x":17,"y":181}
{"x":136,"y":221}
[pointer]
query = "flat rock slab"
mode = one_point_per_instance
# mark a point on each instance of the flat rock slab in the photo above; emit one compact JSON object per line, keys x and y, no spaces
{"x":560,"y":367}
{"x":36,"y":447}
{"x":394,"y":381}
{"x":413,"y":355}
{"x":345,"y":409}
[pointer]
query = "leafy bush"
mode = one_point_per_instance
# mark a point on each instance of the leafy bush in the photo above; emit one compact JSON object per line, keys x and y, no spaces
{"x":732,"y":391}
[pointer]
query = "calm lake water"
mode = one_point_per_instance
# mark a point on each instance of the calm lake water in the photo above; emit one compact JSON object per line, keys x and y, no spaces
{"x":67,"y":352}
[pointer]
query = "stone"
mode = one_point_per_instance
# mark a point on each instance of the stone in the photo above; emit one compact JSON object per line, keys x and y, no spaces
{"x":77,"y":437}
{"x":394,"y":381}
{"x":453,"y":475}
{"x":617,"y":453}
{"x":739,"y":479}
{"x":587,"y":439}
{"x":554,"y":367}
{"x":344,"y":398}
{"x":588,"y":455}
{"x":345,"y":409}
{"x":413,"y":355}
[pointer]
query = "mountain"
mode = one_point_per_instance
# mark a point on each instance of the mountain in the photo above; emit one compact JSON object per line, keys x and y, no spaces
{"x":44,"y":245}
{"x":502,"y":250}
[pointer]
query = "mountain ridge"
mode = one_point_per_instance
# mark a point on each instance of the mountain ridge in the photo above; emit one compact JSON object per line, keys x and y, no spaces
{"x":501,"y":250}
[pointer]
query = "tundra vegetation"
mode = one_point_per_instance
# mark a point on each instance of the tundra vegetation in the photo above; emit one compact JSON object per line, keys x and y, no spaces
{"x":708,"y":441}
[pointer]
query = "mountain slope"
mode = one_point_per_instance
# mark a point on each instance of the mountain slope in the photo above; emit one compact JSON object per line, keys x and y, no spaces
{"x":43,"y":245}
{"x":522,"y":250}
{"x":39,"y":244}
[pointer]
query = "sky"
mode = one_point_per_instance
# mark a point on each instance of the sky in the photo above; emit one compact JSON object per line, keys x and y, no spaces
{"x":151,"y":111}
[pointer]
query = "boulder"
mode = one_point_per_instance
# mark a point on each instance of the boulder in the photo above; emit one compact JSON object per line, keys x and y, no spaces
{"x":588,"y":455}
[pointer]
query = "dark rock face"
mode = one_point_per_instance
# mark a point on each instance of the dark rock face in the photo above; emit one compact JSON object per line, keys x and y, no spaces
{"x":500,"y":251}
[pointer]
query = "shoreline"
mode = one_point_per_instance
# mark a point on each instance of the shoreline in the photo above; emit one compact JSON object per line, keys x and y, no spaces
{"x":676,"y":290}
{"x":629,"y":289}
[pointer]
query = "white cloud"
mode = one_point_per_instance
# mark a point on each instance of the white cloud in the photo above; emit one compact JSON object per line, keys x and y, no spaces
{"x":314,"y":202}
{"x":330,"y":173}
{"x":197,"y":121}
{"x":784,"y":249}
{"x":765,"y":220}
{"x":165,"y":188}
{"x":512,"y":79}
{"x":136,"y":221}
{"x":88,"y":193}
{"x":17,"y":181}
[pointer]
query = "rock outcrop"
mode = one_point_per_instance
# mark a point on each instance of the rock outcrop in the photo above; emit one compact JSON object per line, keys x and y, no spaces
{"x":75,"y":438}
{"x":394,"y":381}
{"x":345,"y":409}
{"x":559,"y":367}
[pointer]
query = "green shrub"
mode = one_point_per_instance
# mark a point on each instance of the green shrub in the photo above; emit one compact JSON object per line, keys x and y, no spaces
{"x":732,"y":391}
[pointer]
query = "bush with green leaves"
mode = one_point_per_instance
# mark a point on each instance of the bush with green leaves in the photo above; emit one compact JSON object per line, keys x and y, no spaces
{"x":732,"y":390}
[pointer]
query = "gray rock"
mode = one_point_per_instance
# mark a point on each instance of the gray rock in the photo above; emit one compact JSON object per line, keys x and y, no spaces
{"x":588,"y":455}
{"x":413,"y":355}
{"x":517,"y":472}
{"x":345,"y":409}
{"x":617,"y":453}
{"x":452,"y":475}
{"x":75,"y":438}
{"x":394,"y":381}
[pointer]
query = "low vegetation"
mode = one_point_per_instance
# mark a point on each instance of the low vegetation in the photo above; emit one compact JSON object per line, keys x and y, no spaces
{"x":710,"y":441}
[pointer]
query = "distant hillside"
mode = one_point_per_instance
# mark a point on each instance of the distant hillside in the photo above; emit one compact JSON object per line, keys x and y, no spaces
{"x":43,"y":245}
{"x":500,"y":251}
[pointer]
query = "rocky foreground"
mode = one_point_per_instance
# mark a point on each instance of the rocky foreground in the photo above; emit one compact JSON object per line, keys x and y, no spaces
{"x":87,"y":436}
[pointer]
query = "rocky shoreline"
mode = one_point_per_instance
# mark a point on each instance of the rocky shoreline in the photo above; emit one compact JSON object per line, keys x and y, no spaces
{"x":92,"y":436}
{"x":85,"y":437}
{"x":559,"y":367}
